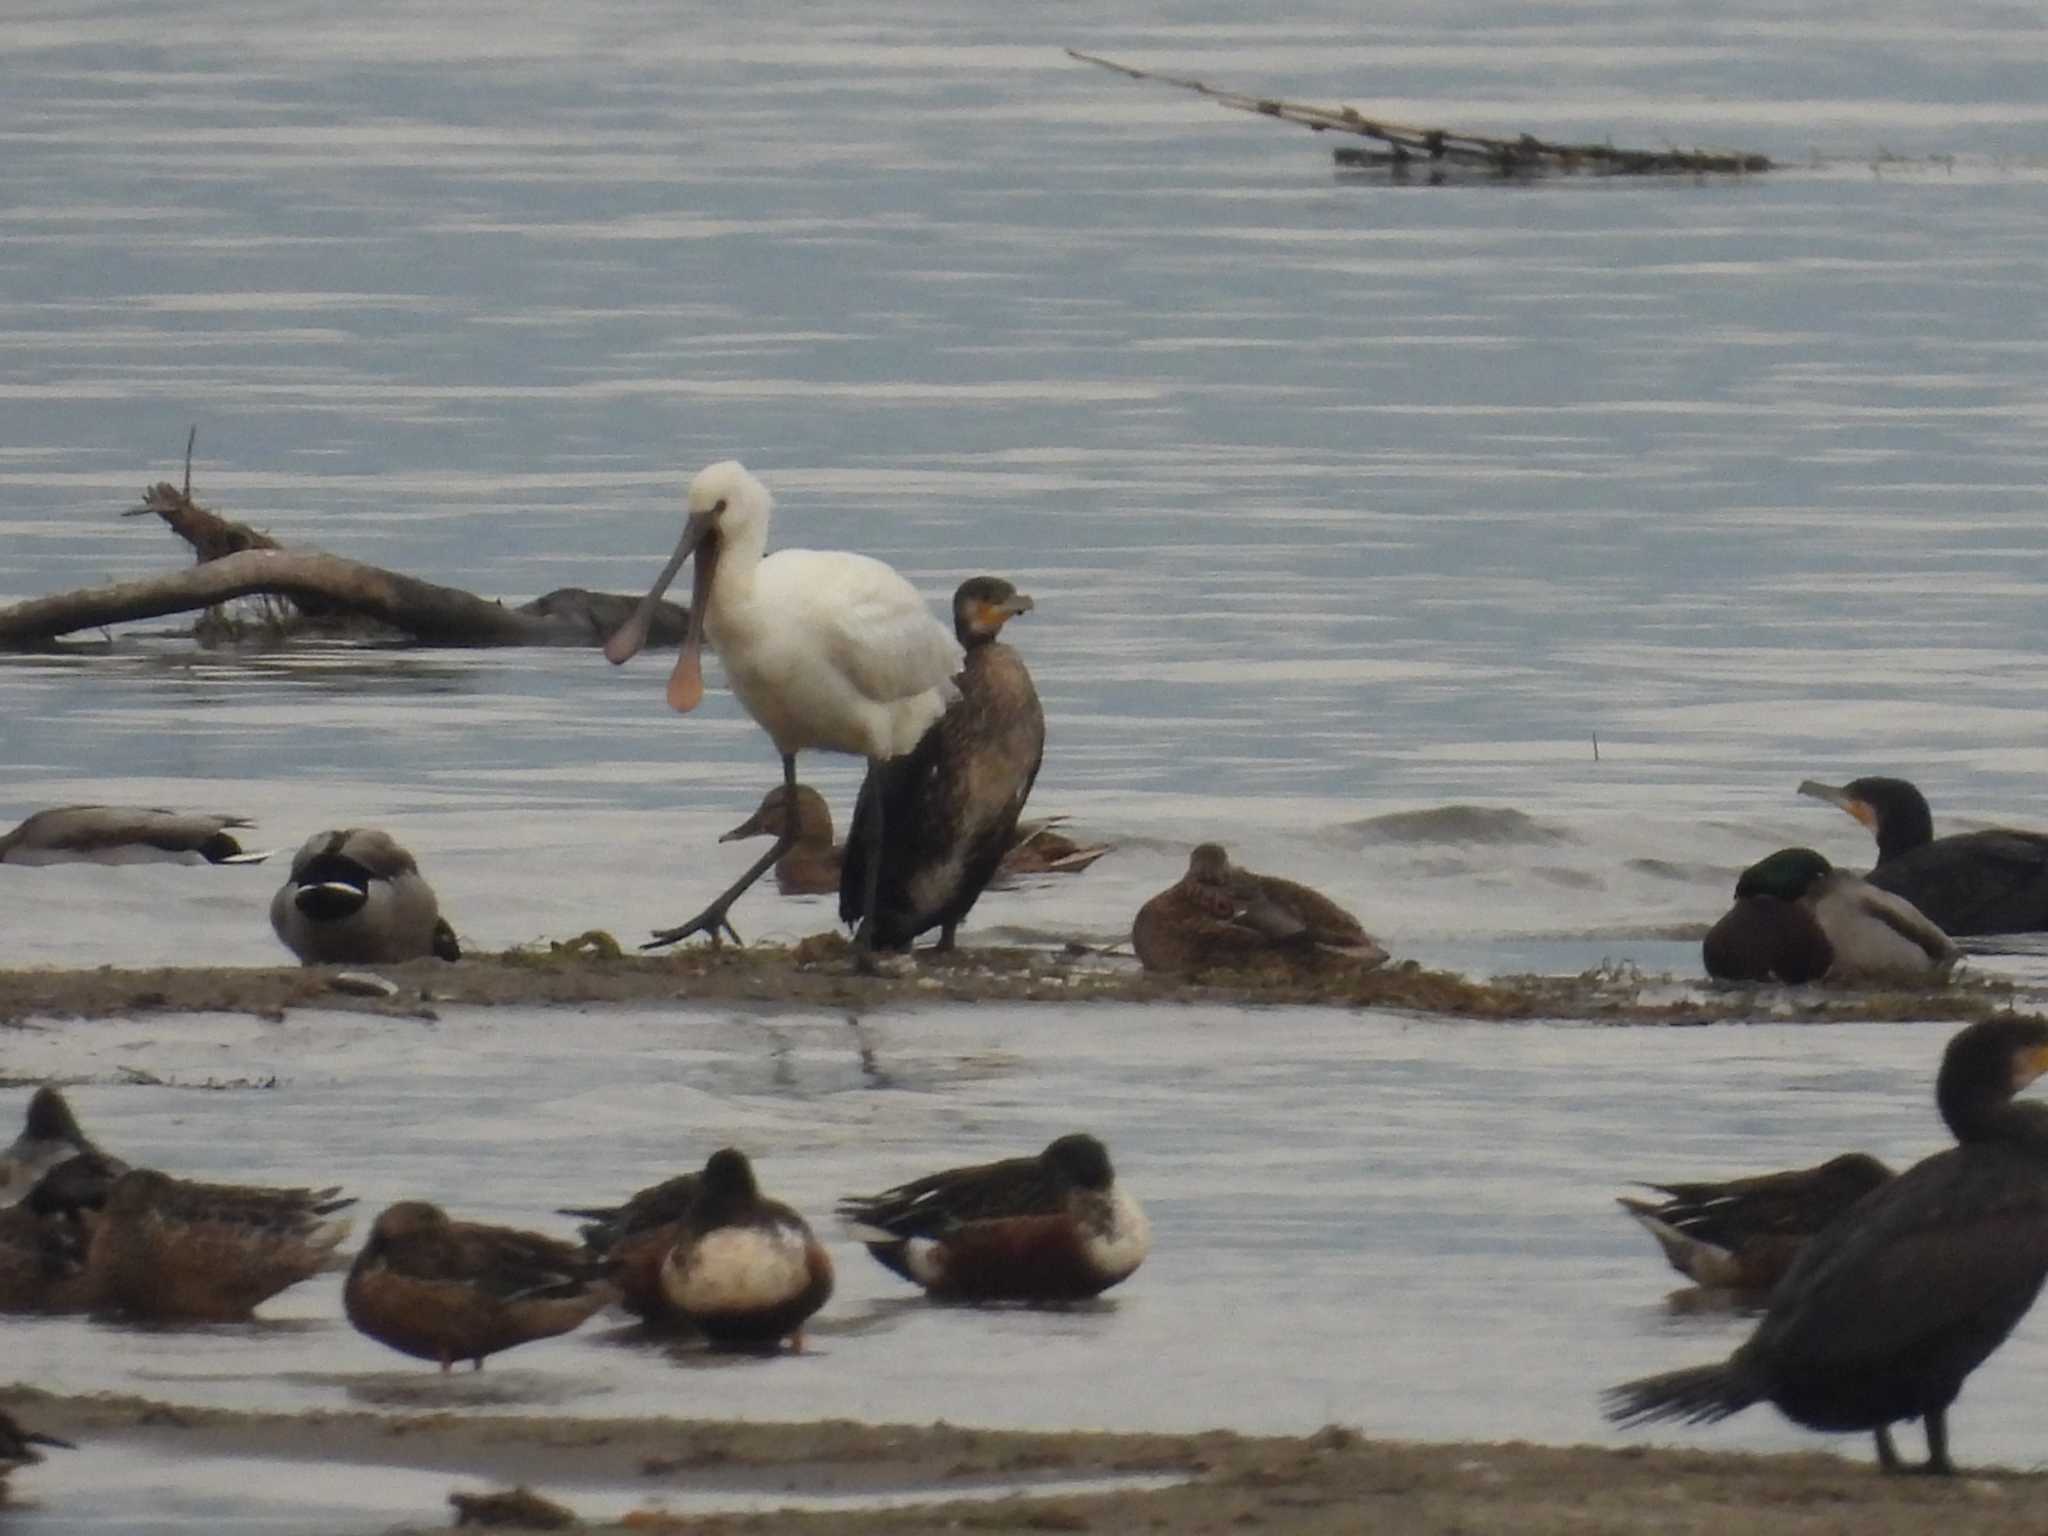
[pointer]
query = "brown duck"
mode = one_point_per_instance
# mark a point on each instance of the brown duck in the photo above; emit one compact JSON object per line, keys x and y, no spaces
{"x":744,"y":1270}
{"x":630,"y":1241}
{"x":447,"y":1290}
{"x":174,"y":1250}
{"x":1741,"y":1235}
{"x":1218,"y":916}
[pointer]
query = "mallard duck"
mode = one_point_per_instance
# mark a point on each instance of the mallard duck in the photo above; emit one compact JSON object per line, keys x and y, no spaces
{"x":744,"y":1270}
{"x":1765,"y":938}
{"x":49,"y":1136}
{"x":948,"y":807}
{"x":1741,"y":1235}
{"x":630,"y":1241}
{"x":125,"y":834}
{"x":1873,"y":935}
{"x":1993,"y":881}
{"x":1050,"y":1228}
{"x":18,"y":1446}
{"x":1888,"y":1309}
{"x":813,"y":863}
{"x":460,"y":1290}
{"x":1220,"y":916}
{"x":355,"y":897}
{"x":175,"y":1250}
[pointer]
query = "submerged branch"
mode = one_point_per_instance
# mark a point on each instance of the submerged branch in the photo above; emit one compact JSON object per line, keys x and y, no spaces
{"x":1409,"y":146}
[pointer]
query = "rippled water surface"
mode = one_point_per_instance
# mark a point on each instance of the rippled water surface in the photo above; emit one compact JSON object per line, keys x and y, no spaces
{"x":1620,"y":507}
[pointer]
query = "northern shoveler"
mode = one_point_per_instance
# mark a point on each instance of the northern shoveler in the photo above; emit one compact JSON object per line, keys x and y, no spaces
{"x":355,"y":897}
{"x":1990,"y":881}
{"x":744,"y":1270}
{"x":460,"y":1290}
{"x":174,"y":1250}
{"x":1220,"y":916}
{"x":125,"y":834}
{"x":1054,"y":1227}
{"x":1741,"y":1235}
{"x":630,"y":1242}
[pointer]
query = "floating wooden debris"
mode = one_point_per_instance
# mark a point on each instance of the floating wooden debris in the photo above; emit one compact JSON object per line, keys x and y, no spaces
{"x":1437,"y":153}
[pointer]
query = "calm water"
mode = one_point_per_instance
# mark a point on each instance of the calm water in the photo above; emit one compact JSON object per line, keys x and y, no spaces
{"x":1337,"y":500}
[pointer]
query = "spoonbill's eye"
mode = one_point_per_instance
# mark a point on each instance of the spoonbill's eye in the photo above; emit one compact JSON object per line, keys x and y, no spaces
{"x":718,"y":506}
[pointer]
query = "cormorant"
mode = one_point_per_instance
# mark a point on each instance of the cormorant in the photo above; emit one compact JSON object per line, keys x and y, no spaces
{"x":950,"y":804}
{"x":1993,"y":881}
{"x":1887,"y":1311}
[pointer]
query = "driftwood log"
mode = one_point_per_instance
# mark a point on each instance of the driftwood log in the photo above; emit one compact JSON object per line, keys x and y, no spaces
{"x":1432,"y":150}
{"x":237,"y":561}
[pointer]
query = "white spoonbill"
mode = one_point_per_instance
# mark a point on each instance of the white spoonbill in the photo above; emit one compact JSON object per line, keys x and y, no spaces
{"x":823,"y":648}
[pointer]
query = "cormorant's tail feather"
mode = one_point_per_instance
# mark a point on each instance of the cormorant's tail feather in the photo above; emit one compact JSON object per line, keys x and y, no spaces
{"x":1696,"y":1396}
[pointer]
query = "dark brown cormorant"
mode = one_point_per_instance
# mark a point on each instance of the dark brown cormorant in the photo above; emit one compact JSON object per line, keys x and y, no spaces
{"x":1869,"y":934}
{"x":1994,"y":881}
{"x":1741,"y":1235}
{"x":1885,"y":1313}
{"x":1218,"y":916}
{"x":950,"y":805}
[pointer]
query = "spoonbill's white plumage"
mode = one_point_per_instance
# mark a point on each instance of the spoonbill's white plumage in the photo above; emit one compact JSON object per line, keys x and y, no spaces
{"x":824,"y":649}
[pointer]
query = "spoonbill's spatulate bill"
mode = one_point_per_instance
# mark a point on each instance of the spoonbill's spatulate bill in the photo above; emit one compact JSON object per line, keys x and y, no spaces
{"x":824,"y":649}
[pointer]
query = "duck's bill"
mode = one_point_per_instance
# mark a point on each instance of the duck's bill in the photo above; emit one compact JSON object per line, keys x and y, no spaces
{"x":256,"y":857}
{"x":1840,"y":798}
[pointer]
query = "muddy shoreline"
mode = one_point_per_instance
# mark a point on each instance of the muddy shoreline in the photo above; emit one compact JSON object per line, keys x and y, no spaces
{"x":817,"y":974}
{"x":1336,"y":1480}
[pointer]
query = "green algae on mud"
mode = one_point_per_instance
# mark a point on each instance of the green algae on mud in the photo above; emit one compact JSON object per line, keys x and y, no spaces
{"x":817,"y":973}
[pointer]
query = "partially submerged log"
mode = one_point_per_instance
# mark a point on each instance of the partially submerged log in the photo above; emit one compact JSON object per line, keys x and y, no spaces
{"x":1432,"y":150}
{"x":237,"y":561}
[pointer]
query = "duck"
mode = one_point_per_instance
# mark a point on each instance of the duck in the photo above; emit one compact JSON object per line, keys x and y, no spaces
{"x":630,"y":1241}
{"x":355,"y":897}
{"x":1741,"y":1235}
{"x":1052,"y":1227}
{"x":1888,"y":1309}
{"x":745,"y":1271}
{"x":43,"y":1254}
{"x":1218,"y":916}
{"x":171,"y":1250}
{"x":446,"y":1290}
{"x":126,"y":834}
{"x":951,"y":804}
{"x":18,"y":1446}
{"x":1968,"y":883}
{"x":812,"y":865}
{"x":49,"y":1135}
{"x":1767,"y":938}
{"x":1874,"y":936}
{"x":825,"y":649}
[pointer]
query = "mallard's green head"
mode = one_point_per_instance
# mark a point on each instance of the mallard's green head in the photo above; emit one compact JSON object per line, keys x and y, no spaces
{"x":1787,"y":874}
